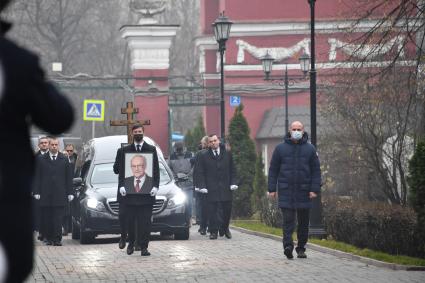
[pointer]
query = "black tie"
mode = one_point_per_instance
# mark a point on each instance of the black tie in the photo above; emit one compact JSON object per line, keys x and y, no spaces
{"x":54,"y":157}
{"x":138,"y":148}
{"x":216,"y":153}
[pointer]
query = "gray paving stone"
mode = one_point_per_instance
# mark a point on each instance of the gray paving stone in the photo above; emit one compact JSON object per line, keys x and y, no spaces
{"x":245,"y":258}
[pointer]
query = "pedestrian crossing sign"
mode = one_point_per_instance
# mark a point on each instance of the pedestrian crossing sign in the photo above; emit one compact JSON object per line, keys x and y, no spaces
{"x":94,"y":110}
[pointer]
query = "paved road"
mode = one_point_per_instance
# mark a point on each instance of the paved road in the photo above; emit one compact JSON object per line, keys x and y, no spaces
{"x":245,"y":258}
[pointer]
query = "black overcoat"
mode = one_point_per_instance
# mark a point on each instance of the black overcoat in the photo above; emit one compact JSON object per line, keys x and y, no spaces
{"x":216,"y":174}
{"x":119,"y":165}
{"x":53,"y":180}
{"x":27,"y":99}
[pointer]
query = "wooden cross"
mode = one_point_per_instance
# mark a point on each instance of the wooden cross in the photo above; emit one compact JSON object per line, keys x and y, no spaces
{"x":130,"y":111}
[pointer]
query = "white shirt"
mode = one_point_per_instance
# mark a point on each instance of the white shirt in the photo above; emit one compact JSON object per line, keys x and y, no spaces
{"x":136,"y":144}
{"x":51,"y":155}
{"x":142,"y":181}
{"x":216,"y":150}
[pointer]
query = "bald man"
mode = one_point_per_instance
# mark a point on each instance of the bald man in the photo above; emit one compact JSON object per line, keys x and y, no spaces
{"x":295,"y":172}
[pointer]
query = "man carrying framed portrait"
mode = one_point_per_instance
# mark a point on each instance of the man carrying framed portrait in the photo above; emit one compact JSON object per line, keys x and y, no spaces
{"x":138,"y":182}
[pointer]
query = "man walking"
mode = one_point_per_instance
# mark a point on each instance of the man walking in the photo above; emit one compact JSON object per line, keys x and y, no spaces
{"x":53,"y":189}
{"x":201,"y":199}
{"x":138,"y":146}
{"x":295,"y":172}
{"x":217,"y":179}
{"x":139,"y":195}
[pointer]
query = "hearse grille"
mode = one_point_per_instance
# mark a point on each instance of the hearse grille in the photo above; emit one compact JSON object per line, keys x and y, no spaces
{"x":158,"y":206}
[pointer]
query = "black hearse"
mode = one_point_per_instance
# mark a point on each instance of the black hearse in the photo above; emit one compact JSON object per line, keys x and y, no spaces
{"x":95,"y":208}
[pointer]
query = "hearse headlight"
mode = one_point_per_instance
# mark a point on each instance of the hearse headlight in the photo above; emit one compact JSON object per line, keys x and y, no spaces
{"x":95,"y":204}
{"x":177,"y":200}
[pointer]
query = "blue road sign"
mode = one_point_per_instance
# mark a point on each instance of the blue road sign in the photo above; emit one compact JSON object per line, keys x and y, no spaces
{"x":94,"y":110}
{"x":235,"y":101}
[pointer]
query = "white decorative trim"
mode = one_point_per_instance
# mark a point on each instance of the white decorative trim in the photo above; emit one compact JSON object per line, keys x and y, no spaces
{"x":149,"y":46}
{"x":278,"y":28}
{"x":202,"y":67}
{"x":366,"y":51}
{"x":211,"y":76}
{"x":278,"y":53}
{"x":339,"y":65}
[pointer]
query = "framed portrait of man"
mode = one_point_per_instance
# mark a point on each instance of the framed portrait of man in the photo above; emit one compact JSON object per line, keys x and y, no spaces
{"x":138,"y":173}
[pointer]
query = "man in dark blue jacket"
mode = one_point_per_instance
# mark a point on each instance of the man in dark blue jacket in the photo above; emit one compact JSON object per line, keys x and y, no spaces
{"x":295,"y":172}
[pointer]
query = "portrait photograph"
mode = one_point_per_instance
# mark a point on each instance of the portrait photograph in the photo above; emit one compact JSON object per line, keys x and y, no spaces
{"x":138,"y":173}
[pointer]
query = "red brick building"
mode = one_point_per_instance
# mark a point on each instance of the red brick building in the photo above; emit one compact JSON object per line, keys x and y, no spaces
{"x":281,"y":27}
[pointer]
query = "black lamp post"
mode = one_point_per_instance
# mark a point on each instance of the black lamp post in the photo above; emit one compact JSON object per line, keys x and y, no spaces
{"x":267,"y":62}
{"x":222,"y":27}
{"x":316,"y":226}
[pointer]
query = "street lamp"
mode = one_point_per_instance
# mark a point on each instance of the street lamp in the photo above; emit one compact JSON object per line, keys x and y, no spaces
{"x":267,"y":62}
{"x":316,"y":226}
{"x":222,"y":27}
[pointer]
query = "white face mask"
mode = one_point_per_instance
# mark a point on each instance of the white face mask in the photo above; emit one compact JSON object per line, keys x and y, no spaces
{"x":296,"y":135}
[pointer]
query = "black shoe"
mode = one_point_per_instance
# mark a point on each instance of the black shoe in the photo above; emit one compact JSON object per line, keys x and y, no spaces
{"x":48,"y":243}
{"x":288,"y":252}
{"x":40,"y":238}
{"x":137,"y":248}
{"x":301,"y":254}
{"x":122,"y":243}
{"x":202,"y":231}
{"x":227,"y":233}
{"x":213,"y":236}
{"x":130,"y":249}
{"x":221,"y":232}
{"x":57,"y":244}
{"x":145,"y":252}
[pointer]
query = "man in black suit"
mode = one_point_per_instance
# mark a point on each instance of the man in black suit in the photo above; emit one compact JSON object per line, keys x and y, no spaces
{"x":53,"y":189}
{"x":25,"y":98}
{"x":138,"y":195}
{"x":119,"y":168}
{"x":43,"y":146}
{"x":217,"y":179}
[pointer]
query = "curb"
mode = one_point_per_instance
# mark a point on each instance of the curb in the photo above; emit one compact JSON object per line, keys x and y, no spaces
{"x":367,"y":261}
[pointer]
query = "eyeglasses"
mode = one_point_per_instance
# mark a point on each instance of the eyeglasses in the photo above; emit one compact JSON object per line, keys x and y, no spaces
{"x":69,"y":150}
{"x":137,"y":166}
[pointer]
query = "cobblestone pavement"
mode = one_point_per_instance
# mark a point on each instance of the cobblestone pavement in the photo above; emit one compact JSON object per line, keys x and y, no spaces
{"x":245,"y":258}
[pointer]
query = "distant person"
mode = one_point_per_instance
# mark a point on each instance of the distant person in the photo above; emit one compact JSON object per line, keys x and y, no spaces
{"x":53,"y":189}
{"x":295,"y":172}
{"x":25,"y":99}
{"x":217,"y":179}
{"x":201,"y":207}
{"x":138,"y":146}
{"x":67,"y":218}
{"x":43,"y":146}
{"x":181,"y":164}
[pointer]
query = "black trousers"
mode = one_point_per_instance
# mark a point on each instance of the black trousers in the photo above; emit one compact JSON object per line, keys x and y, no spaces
{"x":122,"y":217}
{"x":16,"y":237}
{"x":51,"y":222}
{"x":202,"y":204}
{"x":289,"y":216}
{"x":219,"y":213}
{"x":139,"y":216}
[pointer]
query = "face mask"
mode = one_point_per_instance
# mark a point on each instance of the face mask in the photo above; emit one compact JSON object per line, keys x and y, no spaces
{"x":138,"y":137}
{"x":296,"y":135}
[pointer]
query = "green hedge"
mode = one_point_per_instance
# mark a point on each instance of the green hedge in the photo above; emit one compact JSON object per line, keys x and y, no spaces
{"x":374,"y":225}
{"x":377,"y":226}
